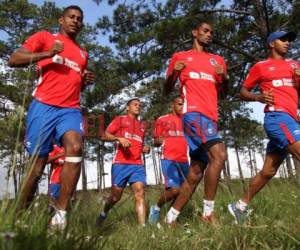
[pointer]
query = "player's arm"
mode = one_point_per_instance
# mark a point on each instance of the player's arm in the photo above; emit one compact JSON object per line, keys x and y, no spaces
{"x":109,"y":137}
{"x":174,"y":69}
{"x":221,"y":71}
{"x":158,"y":133}
{"x":23,"y":57}
{"x":88,"y":78}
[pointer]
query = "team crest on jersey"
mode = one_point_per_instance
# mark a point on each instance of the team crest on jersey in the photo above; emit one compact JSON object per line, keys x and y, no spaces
{"x":189,"y":59}
{"x":82,"y":54}
{"x":213,"y":61}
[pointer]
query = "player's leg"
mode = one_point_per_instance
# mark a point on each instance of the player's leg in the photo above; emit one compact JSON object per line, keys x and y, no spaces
{"x":188,"y":187}
{"x":137,"y":180}
{"x":172,"y":184}
{"x":271,"y":164}
{"x":138,"y":189}
{"x":217,"y":157}
{"x":40,"y":127}
{"x":120,"y":174}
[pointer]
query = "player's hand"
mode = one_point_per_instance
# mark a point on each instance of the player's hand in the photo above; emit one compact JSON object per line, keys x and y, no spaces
{"x":56,"y":48}
{"x":267,"y":97}
{"x":146,"y":149}
{"x":297,"y":72}
{"x":159,"y":140}
{"x":220,"y":70}
{"x":179,"y":65}
{"x":88,"y":77}
{"x":61,"y":161}
{"x":124,"y":142}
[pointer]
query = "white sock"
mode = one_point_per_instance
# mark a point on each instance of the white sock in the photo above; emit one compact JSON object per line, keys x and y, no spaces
{"x":208,"y":207}
{"x":172,"y":215}
{"x":103,"y":214}
{"x":157,"y":208}
{"x":241,"y":205}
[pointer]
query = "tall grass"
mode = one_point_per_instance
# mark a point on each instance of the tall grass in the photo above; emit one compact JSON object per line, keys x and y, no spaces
{"x":274,"y":224}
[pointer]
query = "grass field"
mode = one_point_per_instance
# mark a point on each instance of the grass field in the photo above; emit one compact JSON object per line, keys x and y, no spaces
{"x":274,"y":224}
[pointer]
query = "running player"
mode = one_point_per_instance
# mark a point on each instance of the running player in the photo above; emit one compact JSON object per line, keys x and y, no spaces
{"x":55,"y":113}
{"x":128,"y":167}
{"x":56,"y":158}
{"x":168,"y":133}
{"x":201,"y":75}
{"x":278,"y":79}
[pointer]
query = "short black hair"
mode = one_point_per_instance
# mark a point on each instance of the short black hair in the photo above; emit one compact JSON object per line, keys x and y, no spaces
{"x":72,"y":7}
{"x":131,"y":100}
{"x":196,"y":22}
{"x":177,"y":97}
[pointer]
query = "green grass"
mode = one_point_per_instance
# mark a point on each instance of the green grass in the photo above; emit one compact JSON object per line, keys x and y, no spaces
{"x":274,"y":224}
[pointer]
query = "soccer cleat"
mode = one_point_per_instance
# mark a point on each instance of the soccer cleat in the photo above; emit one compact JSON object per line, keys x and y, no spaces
{"x":238,"y":214}
{"x":59,"y":220}
{"x":100,"y":219}
{"x":212,"y":219}
{"x":153,"y":215}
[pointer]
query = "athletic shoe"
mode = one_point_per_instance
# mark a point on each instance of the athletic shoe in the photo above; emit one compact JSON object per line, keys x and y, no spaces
{"x":212,"y":219}
{"x":100,"y":219}
{"x":153,"y":215}
{"x":59,"y":220}
{"x":238,"y":214}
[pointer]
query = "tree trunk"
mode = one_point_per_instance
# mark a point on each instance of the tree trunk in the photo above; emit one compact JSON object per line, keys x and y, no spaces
{"x":251,"y":162}
{"x":289,"y":166}
{"x":83,"y":170}
{"x":240,"y":168}
{"x":297,"y":169}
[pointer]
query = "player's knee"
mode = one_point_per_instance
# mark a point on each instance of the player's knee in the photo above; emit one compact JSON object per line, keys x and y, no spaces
{"x":175,"y":191}
{"x":139,"y":193}
{"x":219,"y":158}
{"x":115,"y":198}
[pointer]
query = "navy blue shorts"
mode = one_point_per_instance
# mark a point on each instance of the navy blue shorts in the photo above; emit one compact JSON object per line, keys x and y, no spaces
{"x":127,"y":173}
{"x":282,"y":130}
{"x":201,"y":133}
{"x":174,"y":173}
{"x":46,"y":124}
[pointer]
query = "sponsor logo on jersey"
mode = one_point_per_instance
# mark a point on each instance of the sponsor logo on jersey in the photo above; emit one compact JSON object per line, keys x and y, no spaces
{"x":202,"y":75}
{"x":271,"y":68}
{"x":67,"y":62}
{"x":133,"y":136}
{"x":283,"y":82}
{"x":189,"y":59}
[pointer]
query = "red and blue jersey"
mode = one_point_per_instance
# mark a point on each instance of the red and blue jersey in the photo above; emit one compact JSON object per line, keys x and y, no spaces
{"x":56,"y":165}
{"x":199,"y":81}
{"x":60,"y":77}
{"x":133,"y":130}
{"x":278,"y":76}
{"x":174,"y":146}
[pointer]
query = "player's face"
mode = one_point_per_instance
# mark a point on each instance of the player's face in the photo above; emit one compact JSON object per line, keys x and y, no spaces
{"x":134,"y":107}
{"x":178,"y":106}
{"x":71,"y":22}
{"x":281,"y":45}
{"x":203,"y":34}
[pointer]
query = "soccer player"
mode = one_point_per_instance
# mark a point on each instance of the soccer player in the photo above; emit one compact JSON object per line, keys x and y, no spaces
{"x":168,"y":133}
{"x":128,"y":167}
{"x":278,"y":80}
{"x":56,"y":158}
{"x":55,"y":113}
{"x":201,"y":75}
